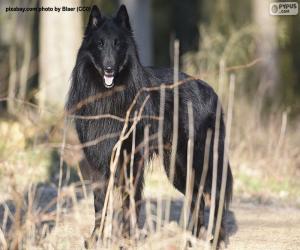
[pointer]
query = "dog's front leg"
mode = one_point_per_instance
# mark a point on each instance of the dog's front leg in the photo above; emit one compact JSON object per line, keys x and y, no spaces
{"x":99,"y":185}
{"x":131,"y":196}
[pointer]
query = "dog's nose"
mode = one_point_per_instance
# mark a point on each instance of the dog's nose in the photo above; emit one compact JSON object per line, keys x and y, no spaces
{"x":109,"y":70}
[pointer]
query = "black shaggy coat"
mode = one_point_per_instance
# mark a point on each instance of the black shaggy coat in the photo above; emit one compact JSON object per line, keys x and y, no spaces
{"x":89,"y":97}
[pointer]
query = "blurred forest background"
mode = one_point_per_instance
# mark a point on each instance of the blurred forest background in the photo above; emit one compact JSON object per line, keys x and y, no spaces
{"x":238,"y":31}
{"x":38,"y":51}
{"x":218,"y":39}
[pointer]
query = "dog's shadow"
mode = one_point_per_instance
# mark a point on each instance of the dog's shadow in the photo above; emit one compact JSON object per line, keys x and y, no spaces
{"x":175,"y":214}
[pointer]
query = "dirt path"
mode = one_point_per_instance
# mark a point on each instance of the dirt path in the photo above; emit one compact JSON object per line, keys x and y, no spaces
{"x":265,"y":227}
{"x":256,"y":227}
{"x":253,"y":227}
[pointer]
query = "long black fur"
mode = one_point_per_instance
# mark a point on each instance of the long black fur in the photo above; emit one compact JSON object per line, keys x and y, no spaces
{"x":109,"y":42}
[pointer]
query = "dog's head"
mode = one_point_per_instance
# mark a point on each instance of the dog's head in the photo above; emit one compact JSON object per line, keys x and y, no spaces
{"x":107,"y":41}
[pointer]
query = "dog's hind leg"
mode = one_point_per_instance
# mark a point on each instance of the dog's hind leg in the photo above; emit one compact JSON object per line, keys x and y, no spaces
{"x":197,"y":216}
{"x":222,"y":237}
{"x":222,"y":233}
{"x":196,"y":222}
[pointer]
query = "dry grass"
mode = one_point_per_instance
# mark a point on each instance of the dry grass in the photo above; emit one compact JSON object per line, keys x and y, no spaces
{"x":265,"y":154}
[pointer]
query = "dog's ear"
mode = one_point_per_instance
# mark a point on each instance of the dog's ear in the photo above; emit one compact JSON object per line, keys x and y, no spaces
{"x":95,"y":19}
{"x":122,"y":18}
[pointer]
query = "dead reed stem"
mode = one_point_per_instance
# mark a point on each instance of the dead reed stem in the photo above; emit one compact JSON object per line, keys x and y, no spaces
{"x":27,"y":47}
{"x":161,"y":147}
{"x":61,"y":162}
{"x":175,"y":122}
{"x":131,"y":182}
{"x":225,"y":161}
{"x":203,"y":179}
{"x":190,"y":173}
{"x":215,"y":159}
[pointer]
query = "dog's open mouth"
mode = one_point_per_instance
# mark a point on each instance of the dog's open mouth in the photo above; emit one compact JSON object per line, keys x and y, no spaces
{"x":108,"y":79}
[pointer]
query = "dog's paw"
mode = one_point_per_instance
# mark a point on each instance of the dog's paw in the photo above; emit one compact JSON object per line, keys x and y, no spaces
{"x":90,"y":243}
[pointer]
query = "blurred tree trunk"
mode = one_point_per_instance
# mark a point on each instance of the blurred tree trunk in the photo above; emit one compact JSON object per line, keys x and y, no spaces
{"x":186,"y":25}
{"x":60,"y":38}
{"x":12,"y":80}
{"x":140,"y":18}
{"x":267,"y":50}
{"x":17,"y":47}
{"x":27,"y":51}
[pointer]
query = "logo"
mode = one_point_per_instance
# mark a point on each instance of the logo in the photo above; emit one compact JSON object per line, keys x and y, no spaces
{"x":274,"y":9}
{"x":284,"y":9}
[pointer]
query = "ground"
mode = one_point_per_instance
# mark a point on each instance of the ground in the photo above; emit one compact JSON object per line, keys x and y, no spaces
{"x":250,"y":224}
{"x":265,"y":227}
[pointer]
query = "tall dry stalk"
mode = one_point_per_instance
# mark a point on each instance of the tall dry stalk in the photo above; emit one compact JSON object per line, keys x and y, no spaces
{"x":61,"y":162}
{"x":215,"y":158}
{"x":175,"y":122}
{"x":25,"y":67}
{"x":202,"y":180}
{"x":190,"y":172}
{"x":225,"y":161}
{"x":12,"y":80}
{"x":161,"y":147}
{"x":133,"y":216}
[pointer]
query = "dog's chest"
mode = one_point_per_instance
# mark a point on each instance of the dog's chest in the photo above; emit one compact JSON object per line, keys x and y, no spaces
{"x":104,"y":118}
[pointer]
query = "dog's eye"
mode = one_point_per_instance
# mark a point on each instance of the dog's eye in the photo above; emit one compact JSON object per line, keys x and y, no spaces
{"x":101,"y":44}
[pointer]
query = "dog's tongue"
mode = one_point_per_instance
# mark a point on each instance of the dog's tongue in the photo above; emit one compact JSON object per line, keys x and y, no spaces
{"x":108,"y":80}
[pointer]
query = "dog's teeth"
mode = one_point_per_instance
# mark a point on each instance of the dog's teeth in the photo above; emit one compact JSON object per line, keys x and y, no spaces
{"x":108,"y":80}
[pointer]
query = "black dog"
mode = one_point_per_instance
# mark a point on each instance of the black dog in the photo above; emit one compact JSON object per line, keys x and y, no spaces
{"x":106,"y":79}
